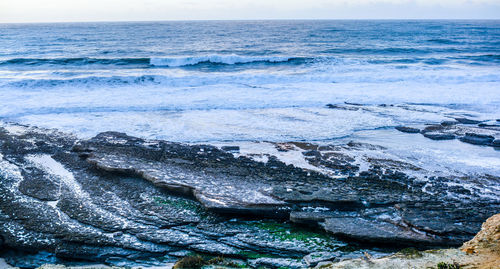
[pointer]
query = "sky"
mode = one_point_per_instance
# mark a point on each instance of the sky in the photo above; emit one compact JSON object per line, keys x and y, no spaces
{"x":152,"y":10}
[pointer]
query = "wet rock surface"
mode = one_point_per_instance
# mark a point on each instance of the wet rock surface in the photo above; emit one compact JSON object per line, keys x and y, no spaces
{"x":410,"y":130}
{"x":483,"y":251}
{"x":478,"y":139}
{"x":118,"y":199}
{"x":466,"y":130}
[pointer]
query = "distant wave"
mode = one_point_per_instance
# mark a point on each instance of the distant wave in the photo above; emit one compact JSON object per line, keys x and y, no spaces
{"x":413,"y":56}
{"x":75,"y":61}
{"x":153,"y":61}
{"x":443,"y":41}
{"x":379,"y":51}
{"x":217,"y":59}
{"x":486,"y":58}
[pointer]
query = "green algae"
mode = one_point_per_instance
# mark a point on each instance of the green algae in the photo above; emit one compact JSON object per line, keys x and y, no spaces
{"x":286,"y":232}
{"x":444,"y":265}
{"x":411,"y":253}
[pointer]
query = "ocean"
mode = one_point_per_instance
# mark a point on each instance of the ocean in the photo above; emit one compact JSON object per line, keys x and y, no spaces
{"x":213,"y":81}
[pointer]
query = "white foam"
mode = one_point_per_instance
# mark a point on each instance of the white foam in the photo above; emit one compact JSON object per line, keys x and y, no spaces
{"x":280,"y":124}
{"x":221,"y":59}
{"x":53,"y":204}
{"x":14,"y":129}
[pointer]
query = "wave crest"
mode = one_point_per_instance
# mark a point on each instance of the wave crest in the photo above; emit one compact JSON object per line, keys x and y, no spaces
{"x":216,"y":59}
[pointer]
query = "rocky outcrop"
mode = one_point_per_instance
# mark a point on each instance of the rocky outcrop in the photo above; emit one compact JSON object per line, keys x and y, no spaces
{"x":410,"y":130}
{"x":118,"y":199}
{"x":55,"y":198}
{"x":485,"y":246}
{"x":482,"y":252}
{"x":446,"y":258}
{"x":466,"y":130}
{"x":438,"y":136}
{"x":478,"y":139}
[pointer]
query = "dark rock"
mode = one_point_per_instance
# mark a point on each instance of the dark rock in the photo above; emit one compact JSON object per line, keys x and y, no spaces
{"x":477,"y":139}
{"x":311,"y":153}
{"x":332,"y":160}
{"x":38,"y":184}
{"x":467,"y":121}
{"x":353,"y":104}
{"x":235,"y":149}
{"x":433,"y":128}
{"x":316,"y":257}
{"x":283,"y":147}
{"x":496,"y":143}
{"x":488,"y":125}
{"x":379,"y":232}
{"x":80,"y":148}
{"x":342,"y":107}
{"x":21,"y":259}
{"x":405,"y":129}
{"x":449,"y":123}
{"x":439,"y":136}
{"x":358,"y":145}
{"x":305,"y":146}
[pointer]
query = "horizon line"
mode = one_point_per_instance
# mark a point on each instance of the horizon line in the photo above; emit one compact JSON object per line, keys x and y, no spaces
{"x":242,"y":20}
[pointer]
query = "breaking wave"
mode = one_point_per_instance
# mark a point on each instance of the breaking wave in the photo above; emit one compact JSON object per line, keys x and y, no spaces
{"x":219,"y":59}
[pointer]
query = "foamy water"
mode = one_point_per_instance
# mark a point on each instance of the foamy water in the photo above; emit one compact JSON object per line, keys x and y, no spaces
{"x":246,"y":81}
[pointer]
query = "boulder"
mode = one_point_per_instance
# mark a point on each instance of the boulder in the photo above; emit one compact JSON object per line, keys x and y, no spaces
{"x":449,"y":123}
{"x":439,"y":136}
{"x":467,"y":121}
{"x":477,"y":139}
{"x":433,"y":128}
{"x":410,"y":130}
{"x":234,"y":149}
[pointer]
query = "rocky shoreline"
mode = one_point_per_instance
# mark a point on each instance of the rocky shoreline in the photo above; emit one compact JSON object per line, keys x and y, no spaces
{"x":125,"y":201}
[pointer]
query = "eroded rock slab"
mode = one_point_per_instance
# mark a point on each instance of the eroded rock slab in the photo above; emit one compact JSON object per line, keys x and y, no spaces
{"x":118,"y":197}
{"x":52,"y":199}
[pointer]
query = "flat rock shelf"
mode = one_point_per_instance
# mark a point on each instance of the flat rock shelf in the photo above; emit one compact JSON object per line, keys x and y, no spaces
{"x":122,"y":200}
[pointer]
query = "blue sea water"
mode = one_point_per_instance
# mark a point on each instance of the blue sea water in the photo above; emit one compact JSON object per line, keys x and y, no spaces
{"x":205,"y":81}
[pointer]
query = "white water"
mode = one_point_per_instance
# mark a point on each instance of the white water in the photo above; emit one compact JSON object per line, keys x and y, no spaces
{"x":214,"y":58}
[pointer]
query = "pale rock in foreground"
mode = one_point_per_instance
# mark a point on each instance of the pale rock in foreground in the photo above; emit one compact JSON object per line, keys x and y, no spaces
{"x":485,"y":246}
